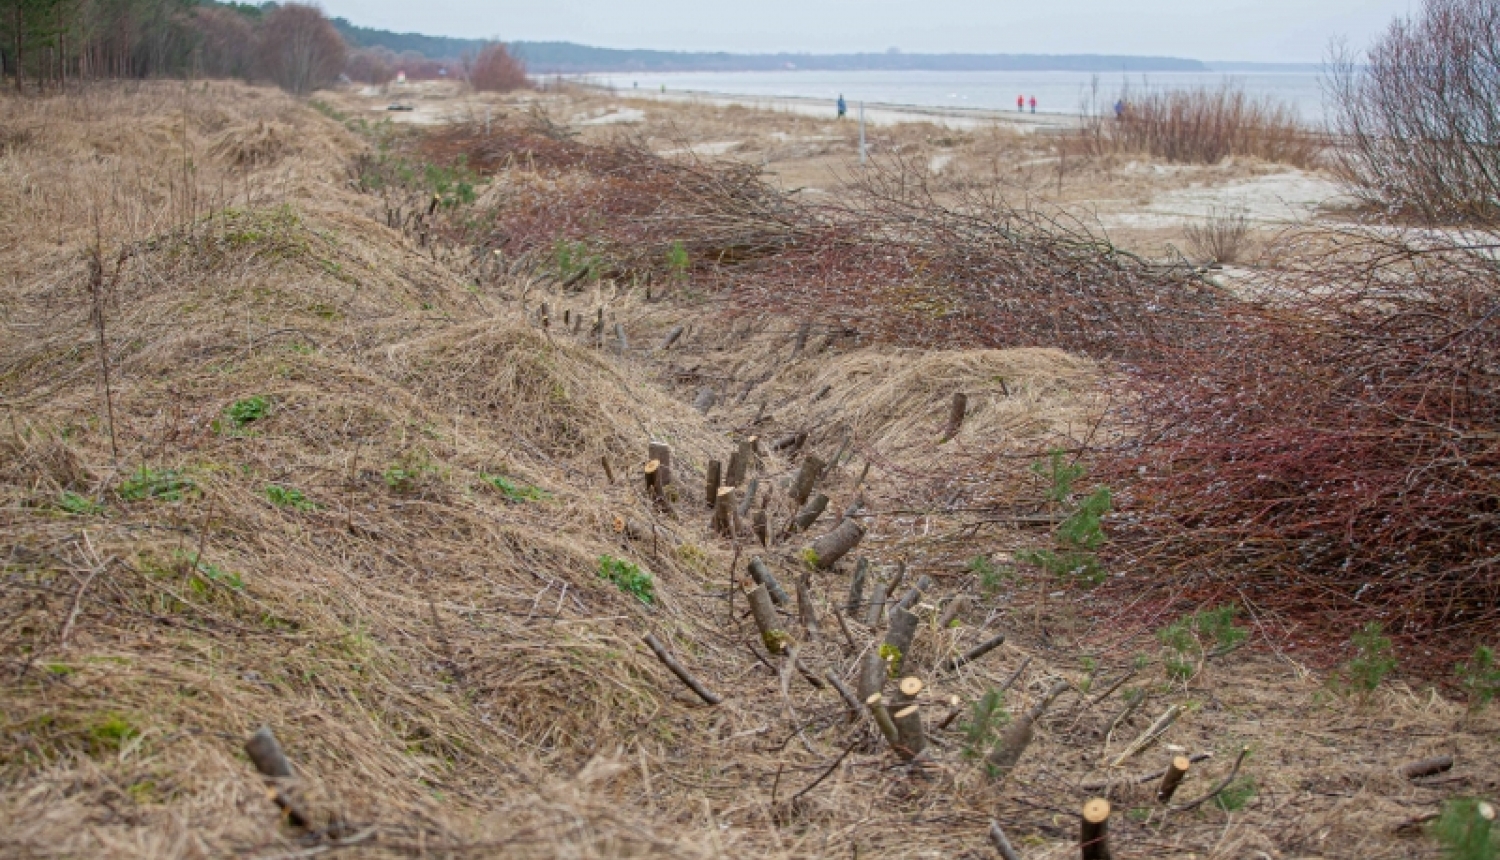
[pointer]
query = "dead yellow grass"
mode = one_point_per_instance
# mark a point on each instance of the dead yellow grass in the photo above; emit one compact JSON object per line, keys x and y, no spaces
{"x":439,"y":655}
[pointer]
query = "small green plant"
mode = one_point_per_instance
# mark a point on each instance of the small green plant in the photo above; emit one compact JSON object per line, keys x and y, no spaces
{"x":1081,"y":533}
{"x":73,"y":503}
{"x":1193,"y":638}
{"x":574,"y":259}
{"x":990,"y":575}
{"x":677,"y":261}
{"x":165,"y":484}
{"x":247,"y":411}
{"x":892,"y":657}
{"x":628,"y":577}
{"x":111,"y":731}
{"x":1480,"y":677}
{"x":1466,"y":830}
{"x":289,"y":497}
{"x":205,"y":574}
{"x":1373,"y":660}
{"x":983,"y":727}
{"x":1236,"y":794}
{"x":515,"y":491}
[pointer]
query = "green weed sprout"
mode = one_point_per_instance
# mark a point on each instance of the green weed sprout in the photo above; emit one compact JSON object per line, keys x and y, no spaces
{"x":983,"y":728}
{"x":165,"y":484}
{"x":289,"y":497}
{"x":1081,"y":533}
{"x":515,"y":491}
{"x":677,"y":261}
{"x":242,"y":412}
{"x":628,"y":577}
{"x":73,"y":503}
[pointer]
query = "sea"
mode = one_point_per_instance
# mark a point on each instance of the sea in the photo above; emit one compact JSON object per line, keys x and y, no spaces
{"x":1055,"y":92}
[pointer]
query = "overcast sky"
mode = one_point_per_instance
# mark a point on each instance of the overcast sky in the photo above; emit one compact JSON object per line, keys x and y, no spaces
{"x":1259,"y":30}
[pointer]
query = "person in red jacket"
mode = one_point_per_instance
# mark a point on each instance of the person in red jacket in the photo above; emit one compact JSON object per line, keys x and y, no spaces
{"x":1033,"y":104}
{"x":1020,"y":104}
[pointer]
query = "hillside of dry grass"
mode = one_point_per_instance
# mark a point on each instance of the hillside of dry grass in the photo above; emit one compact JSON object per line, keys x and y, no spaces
{"x":266,"y":460}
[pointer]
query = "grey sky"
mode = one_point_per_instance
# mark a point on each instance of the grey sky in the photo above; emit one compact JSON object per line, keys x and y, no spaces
{"x":1260,"y":30}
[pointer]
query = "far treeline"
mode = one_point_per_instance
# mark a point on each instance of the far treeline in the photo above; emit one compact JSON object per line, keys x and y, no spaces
{"x":51,"y":43}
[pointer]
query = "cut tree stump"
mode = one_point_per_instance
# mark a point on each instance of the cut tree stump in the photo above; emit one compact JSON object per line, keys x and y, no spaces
{"x":826,"y":551}
{"x":898,"y":637}
{"x":1093,"y":835}
{"x":740,"y":461}
{"x":712,"y":481}
{"x":803,"y":331}
{"x":620,"y":342}
{"x":809,"y":513}
{"x":856,"y":599}
{"x":876,"y":607}
{"x":883,"y":721}
{"x":749,"y":498}
{"x":661,"y":452}
{"x":724,"y":512}
{"x":907,"y":715}
{"x":705,"y":400}
{"x":1003,"y":758}
{"x":955,"y":608}
{"x":807,"y":613}
{"x":956,"y":411}
{"x":807,"y":478}
{"x":789,"y":443}
{"x":760,"y":527}
{"x":672,"y":337}
{"x":266,"y":754}
{"x":766,"y":620}
{"x":871,"y":675}
{"x":1172,"y":778}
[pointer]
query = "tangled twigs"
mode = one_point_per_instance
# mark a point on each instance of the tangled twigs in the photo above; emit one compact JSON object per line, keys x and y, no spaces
{"x":1217,"y":789}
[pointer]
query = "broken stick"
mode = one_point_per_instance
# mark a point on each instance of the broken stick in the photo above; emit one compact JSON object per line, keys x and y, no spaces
{"x":680,"y":671}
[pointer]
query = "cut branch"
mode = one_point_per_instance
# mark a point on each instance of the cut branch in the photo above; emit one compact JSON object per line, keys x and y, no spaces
{"x":680,"y":671}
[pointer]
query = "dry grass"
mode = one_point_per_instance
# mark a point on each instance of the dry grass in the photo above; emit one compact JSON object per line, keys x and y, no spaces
{"x":1224,"y":237}
{"x":1204,"y":126}
{"x":441,"y":659}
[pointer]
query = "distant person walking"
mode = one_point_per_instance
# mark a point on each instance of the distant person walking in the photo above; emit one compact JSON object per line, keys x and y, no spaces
{"x":1119,"y":110}
{"x":843,"y":106}
{"x":1033,"y":104}
{"x":1020,"y":104}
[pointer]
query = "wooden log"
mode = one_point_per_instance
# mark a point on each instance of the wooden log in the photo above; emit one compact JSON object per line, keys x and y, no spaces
{"x":1150,"y":736}
{"x":1007,"y":752}
{"x":680,"y":671}
{"x":1172,"y":778}
{"x":1093,"y":834}
{"x":809,"y":513}
{"x":952,"y":610}
{"x":672,"y":337}
{"x":1002,"y":845}
{"x":956,"y":411}
{"x":856,"y":599}
{"x":724,"y":520}
{"x":806,"y":479}
{"x":609,"y":472}
{"x":763,"y":576}
{"x":972,"y":654}
{"x":876,"y":607}
{"x":766,"y":620}
{"x":712,"y":481}
{"x":876,"y":704}
{"x":661,"y":452}
{"x":577,"y":325}
{"x":266,"y":754}
{"x":871,"y":675}
{"x":807,"y":613}
{"x":855,"y":708}
{"x":749,"y":498}
{"x":1426,"y":767}
{"x":907,"y":715}
{"x":825,"y":552}
{"x":705,"y":400}
{"x":545,"y":318}
{"x":789,"y":443}
{"x":898,"y":638}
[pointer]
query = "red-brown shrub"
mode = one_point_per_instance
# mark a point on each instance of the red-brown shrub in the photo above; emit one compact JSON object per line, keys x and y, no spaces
{"x":496,"y":71}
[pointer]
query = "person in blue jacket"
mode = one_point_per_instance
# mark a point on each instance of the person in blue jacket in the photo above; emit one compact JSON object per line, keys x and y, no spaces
{"x":843,"y":107}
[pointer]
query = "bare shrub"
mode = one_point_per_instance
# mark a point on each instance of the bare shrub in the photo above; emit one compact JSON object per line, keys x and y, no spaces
{"x":496,"y":71}
{"x":1420,"y":113}
{"x":300,"y":49}
{"x":1224,"y":237}
{"x":1203,"y":126}
{"x":371,"y":65}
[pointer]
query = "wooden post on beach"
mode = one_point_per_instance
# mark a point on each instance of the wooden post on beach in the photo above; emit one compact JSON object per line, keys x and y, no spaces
{"x":861,"y":132}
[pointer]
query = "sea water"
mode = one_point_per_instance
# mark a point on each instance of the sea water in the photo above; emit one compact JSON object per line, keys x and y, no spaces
{"x":1055,"y":92}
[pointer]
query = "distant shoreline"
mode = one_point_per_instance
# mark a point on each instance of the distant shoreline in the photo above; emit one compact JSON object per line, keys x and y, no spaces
{"x":876,"y":113}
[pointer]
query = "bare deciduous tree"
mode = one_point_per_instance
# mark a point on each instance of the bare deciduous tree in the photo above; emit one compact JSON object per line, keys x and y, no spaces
{"x":1420,"y":113}
{"x":300,"y":49}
